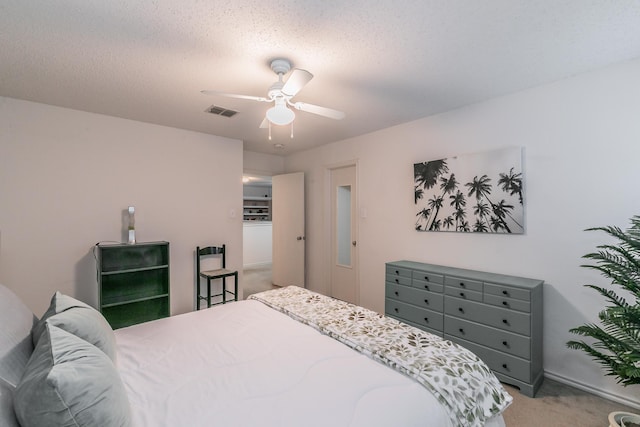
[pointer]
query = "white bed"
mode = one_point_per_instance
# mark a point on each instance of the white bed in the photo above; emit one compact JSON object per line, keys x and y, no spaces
{"x":246,"y":364}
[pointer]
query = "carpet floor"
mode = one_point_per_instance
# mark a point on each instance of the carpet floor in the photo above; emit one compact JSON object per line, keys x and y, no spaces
{"x":559,"y":405}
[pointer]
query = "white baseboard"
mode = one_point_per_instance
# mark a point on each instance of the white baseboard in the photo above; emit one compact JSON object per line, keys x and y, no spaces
{"x":257,"y":264}
{"x":634,"y":403}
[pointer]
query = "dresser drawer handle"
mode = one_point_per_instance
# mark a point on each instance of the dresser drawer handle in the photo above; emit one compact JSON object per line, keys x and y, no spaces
{"x":462,"y":294}
{"x":397,"y":281}
{"x":396,"y":309}
{"x":460,"y":310}
{"x":426,"y":301}
{"x":504,"y":343}
{"x":396,"y":292}
{"x":462,"y":284}
{"x":397,"y":272}
{"x":426,"y":287}
{"x":505,"y":321}
{"x":426,"y":278}
{"x":505,"y":303}
{"x":504,"y":365}
{"x":426,"y":320}
{"x":505,"y":293}
{"x":461,"y":331}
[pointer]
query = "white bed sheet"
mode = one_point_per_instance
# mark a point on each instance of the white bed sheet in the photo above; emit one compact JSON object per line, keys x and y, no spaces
{"x":244,"y":364}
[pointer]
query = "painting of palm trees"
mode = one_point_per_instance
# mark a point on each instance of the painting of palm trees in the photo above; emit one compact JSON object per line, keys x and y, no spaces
{"x":475,"y":193}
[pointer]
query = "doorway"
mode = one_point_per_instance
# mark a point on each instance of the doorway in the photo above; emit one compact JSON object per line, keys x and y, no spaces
{"x":273,"y":232}
{"x":256,"y":233}
{"x":344,"y":242}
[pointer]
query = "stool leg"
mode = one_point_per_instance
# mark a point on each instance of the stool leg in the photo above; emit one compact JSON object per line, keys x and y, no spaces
{"x":235,"y":293}
{"x":208,"y":292}
{"x":224,"y":290}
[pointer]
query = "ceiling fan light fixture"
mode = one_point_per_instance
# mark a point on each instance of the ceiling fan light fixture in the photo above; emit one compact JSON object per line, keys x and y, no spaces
{"x":281,"y":93}
{"x":280,"y":115}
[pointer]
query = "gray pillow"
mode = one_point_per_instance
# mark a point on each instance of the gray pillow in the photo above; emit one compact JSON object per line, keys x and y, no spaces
{"x":79,"y":319}
{"x":16,"y":322}
{"x":69,"y":382}
{"x":7,"y":415}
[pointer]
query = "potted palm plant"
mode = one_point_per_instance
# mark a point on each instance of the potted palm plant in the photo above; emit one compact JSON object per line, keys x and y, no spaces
{"x":615,"y":342}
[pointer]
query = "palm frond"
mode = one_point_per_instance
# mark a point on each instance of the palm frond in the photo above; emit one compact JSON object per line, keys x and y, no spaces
{"x":616,"y":342}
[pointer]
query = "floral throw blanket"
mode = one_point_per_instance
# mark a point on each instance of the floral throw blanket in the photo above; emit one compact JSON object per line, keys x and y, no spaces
{"x":456,"y":376}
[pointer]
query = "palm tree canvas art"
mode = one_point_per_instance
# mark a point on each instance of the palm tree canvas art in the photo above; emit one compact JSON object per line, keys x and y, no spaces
{"x":476,"y":193}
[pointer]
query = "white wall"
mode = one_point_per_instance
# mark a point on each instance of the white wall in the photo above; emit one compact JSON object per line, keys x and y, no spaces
{"x":66,"y":176}
{"x":582,"y":146}
{"x":262,"y":164}
{"x":258,"y":239}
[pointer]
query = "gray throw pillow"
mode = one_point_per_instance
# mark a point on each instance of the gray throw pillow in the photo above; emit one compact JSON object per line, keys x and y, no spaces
{"x":7,"y":415}
{"x":79,"y":319}
{"x":69,"y":382}
{"x":16,"y":322}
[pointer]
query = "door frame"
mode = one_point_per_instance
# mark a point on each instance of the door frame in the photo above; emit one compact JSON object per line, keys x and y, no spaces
{"x":327,"y":232}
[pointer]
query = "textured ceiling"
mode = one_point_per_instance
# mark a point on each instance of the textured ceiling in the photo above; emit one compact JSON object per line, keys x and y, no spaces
{"x":381,"y":62}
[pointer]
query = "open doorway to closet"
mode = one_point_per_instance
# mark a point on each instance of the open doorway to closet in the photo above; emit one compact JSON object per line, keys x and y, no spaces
{"x":257,"y":233}
{"x":273,"y":232}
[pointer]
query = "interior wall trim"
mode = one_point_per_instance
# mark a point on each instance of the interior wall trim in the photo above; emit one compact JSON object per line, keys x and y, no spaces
{"x":625,"y":400}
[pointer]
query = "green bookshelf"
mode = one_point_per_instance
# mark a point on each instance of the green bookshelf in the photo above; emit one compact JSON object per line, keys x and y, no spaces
{"x":133,"y":282}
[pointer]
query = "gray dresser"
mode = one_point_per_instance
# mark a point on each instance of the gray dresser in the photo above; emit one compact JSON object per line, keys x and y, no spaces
{"x":497,"y":317}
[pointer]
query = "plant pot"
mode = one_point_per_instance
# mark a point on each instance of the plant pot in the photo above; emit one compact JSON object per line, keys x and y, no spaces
{"x":624,"y":419}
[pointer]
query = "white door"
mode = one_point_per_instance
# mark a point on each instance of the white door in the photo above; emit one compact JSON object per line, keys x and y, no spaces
{"x":344,"y":260}
{"x":288,"y":229}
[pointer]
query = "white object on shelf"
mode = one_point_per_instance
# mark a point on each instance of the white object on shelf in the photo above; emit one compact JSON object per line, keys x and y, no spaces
{"x":132,"y":225}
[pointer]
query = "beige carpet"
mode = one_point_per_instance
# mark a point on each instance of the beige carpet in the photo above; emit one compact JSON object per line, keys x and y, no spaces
{"x":559,"y":405}
{"x":256,"y":279}
{"x":555,"y":404}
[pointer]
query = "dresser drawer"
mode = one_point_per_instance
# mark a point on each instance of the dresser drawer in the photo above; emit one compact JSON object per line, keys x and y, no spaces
{"x":462,"y":283}
{"x":505,"y":364}
{"x":415,"y":296}
{"x":422,"y":328}
{"x":426,"y":276}
{"x":513,"y":304}
{"x":427,"y":286}
{"x":507,"y":291}
{"x":500,"y":318}
{"x":398,"y":271}
{"x":463,"y":294}
{"x":420,"y":316}
{"x":399,"y":280}
{"x":507,"y":342}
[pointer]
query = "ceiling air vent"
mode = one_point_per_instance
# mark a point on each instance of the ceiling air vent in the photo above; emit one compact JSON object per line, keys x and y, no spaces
{"x":221,"y":111}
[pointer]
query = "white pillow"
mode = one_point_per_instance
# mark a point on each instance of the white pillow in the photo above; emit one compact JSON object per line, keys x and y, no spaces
{"x":15,"y":336}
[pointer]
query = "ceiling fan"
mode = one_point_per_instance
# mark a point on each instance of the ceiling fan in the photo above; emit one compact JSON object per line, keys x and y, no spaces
{"x":281,"y":93}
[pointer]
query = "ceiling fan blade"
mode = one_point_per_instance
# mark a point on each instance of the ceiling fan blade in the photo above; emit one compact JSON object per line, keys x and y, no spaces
{"x":264,"y":124}
{"x":296,"y":81}
{"x":233,"y":95}
{"x":321,"y":111}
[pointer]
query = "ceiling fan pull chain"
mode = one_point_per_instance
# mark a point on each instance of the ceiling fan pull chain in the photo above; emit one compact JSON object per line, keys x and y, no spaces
{"x":291,"y":130}
{"x":269,"y":131}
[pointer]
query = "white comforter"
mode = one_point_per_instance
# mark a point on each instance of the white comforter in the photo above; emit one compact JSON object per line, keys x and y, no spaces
{"x":244,"y":364}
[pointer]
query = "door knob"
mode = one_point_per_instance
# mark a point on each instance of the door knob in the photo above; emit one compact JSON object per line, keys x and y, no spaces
{"x":353,"y":243}
{"x":300,"y":238}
